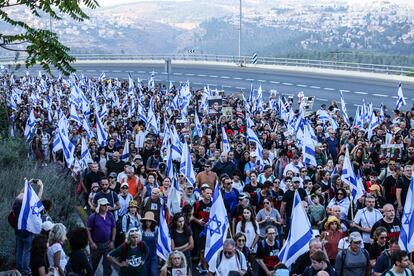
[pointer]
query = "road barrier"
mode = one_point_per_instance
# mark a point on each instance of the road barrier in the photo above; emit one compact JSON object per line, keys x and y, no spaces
{"x":324,"y":64}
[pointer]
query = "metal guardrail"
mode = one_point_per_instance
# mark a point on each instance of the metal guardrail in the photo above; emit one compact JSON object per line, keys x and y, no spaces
{"x":324,"y":64}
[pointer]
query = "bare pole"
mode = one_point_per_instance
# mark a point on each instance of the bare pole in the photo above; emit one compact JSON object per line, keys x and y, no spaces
{"x":240,"y":29}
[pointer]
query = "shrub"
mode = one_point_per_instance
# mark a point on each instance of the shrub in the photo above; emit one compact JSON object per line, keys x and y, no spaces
{"x":58,"y":187}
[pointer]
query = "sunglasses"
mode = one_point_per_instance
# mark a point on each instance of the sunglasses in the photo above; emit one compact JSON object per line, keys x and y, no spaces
{"x":383,"y":238}
{"x":357,"y":242}
{"x":266,"y":203}
{"x":241,"y":240}
{"x":340,"y":194}
{"x":124,"y":188}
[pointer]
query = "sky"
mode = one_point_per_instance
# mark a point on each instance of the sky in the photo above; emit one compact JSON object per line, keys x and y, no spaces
{"x":108,"y":3}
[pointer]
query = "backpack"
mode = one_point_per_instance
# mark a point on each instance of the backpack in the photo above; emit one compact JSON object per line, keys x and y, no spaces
{"x":12,"y":219}
{"x":141,"y":246}
{"x":220,"y":258}
{"x":343,"y":257}
{"x":390,"y":273}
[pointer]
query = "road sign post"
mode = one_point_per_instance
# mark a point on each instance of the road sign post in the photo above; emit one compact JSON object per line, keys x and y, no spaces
{"x":168,"y":68}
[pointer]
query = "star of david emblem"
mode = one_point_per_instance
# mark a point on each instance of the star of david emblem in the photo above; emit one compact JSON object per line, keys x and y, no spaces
{"x":407,"y":218}
{"x":211,"y":223}
{"x":36,"y":209}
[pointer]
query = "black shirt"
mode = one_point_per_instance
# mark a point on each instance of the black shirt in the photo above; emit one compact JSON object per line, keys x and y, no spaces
{"x":288,"y":198}
{"x":80,"y":264}
{"x":390,"y":188}
{"x":393,"y":228}
{"x":301,"y":263}
{"x":37,"y":262}
{"x":116,"y":167}
{"x":269,"y":254}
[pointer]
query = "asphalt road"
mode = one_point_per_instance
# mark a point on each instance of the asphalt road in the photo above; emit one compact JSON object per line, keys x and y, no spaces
{"x":235,"y":79}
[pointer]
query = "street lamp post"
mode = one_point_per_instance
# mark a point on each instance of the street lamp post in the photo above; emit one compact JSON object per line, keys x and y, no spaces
{"x":240,"y":30}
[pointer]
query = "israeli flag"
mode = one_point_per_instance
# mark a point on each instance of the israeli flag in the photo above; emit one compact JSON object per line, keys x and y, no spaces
{"x":216,"y":228}
{"x":225,"y":141}
{"x":29,"y":217}
{"x":174,"y":197}
{"x":406,"y":240}
{"x":125,"y":152}
{"x":85,"y":154}
{"x":130,"y":83}
{"x":68,"y":149}
{"x":308,"y":149}
{"x":151,"y":82}
{"x":198,"y":127}
{"x":31,"y":121}
{"x":343,"y":107}
{"x":163,"y":239}
{"x":299,"y":236}
{"x":401,"y":100}
{"x":382,"y":115}
{"x":349,"y":177}
{"x":186,"y":166}
{"x":74,"y":115}
{"x":373,"y":124}
{"x":101,"y":131}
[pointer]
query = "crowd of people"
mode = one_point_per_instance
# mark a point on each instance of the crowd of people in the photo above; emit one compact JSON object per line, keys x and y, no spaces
{"x":124,"y":195}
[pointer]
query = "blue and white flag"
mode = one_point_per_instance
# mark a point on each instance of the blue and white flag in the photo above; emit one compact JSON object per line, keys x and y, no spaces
{"x":30,"y":215}
{"x":406,"y":240}
{"x":186,"y":166}
{"x":216,"y":228}
{"x":198,"y":128}
{"x":85,"y":154}
{"x":174,"y":197}
{"x":74,"y":115}
{"x":225,"y":140}
{"x":401,"y":100}
{"x":101,"y":132}
{"x":349,"y":177}
{"x":125,"y":152}
{"x":300,"y":234}
{"x":382,"y":115}
{"x":163,"y":239}
{"x":308,"y":148}
{"x":151,"y":82}
{"x":373,"y":124}
{"x":344,"y":112}
{"x":29,"y":129}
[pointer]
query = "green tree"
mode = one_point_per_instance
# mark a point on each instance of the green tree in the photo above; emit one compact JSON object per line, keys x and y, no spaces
{"x":42,"y":46}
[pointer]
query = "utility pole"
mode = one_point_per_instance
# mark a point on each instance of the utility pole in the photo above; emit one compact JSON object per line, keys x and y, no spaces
{"x":240,"y":29}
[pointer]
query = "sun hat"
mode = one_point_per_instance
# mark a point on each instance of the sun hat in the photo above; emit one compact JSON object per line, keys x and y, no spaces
{"x":330,"y":220}
{"x":133,"y":204}
{"x":149,"y":216}
{"x":101,"y":201}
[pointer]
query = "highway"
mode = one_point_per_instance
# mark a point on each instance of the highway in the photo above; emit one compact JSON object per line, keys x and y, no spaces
{"x":325,"y":88}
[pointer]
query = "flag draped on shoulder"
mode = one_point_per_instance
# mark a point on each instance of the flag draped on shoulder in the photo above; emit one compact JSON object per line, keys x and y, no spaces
{"x":30,"y":213}
{"x":217,"y":226}
{"x":406,"y":240}
{"x":299,"y":236}
{"x":163,"y":239}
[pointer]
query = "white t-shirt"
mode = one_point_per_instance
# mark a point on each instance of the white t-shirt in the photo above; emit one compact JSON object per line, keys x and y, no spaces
{"x":249,"y":232}
{"x":227,"y":265}
{"x":367,"y":219}
{"x":56,"y":247}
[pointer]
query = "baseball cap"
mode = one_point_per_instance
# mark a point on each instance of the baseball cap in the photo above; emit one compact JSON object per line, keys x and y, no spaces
{"x":47,"y":226}
{"x":295,"y":179}
{"x":113,"y":174}
{"x":253,"y":154}
{"x":355,"y":237}
{"x":123,"y":184}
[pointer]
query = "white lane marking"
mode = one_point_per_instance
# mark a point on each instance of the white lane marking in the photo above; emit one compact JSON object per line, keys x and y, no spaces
{"x":237,"y":78}
{"x":178,"y":74}
{"x":322,"y":100}
{"x":210,"y":84}
{"x":201,"y":75}
{"x":104,"y":71}
{"x":315,"y":87}
{"x":329,"y":89}
{"x":213,"y":76}
{"x":90,"y":70}
{"x":238,"y":87}
{"x":287,"y":83}
{"x":224,"y":77}
{"x":197,"y":83}
{"x":141,"y":72}
{"x":301,"y":85}
{"x":357,"y":105}
{"x":129,"y":71}
{"x":227,"y":86}
{"x":261,"y":80}
{"x":345,"y":91}
{"x":116,"y":71}
{"x":249,"y":79}
{"x":164,"y":73}
{"x":394,"y":97}
{"x":190,"y":74}
{"x":380,"y":95}
{"x":275,"y":82}
{"x":361,"y":92}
